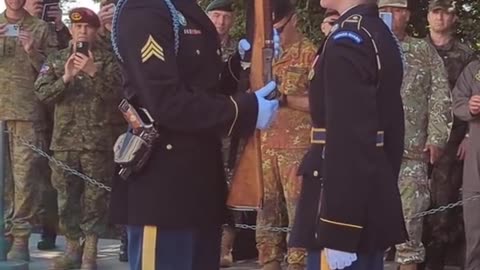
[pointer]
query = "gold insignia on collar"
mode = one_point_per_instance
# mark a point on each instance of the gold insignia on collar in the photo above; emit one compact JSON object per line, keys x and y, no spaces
{"x":76,"y":16}
{"x":478,"y":76}
{"x":152,"y":49}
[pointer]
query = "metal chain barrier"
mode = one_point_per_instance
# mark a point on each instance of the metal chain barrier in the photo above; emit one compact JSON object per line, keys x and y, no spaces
{"x":60,"y":164}
{"x":100,"y":185}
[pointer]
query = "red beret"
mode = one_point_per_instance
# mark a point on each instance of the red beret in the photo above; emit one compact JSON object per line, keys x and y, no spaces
{"x":84,"y":15}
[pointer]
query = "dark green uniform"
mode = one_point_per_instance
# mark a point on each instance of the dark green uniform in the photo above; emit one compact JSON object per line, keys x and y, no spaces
{"x":446,"y":228}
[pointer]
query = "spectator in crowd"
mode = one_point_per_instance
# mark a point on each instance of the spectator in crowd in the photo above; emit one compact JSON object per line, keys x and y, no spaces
{"x":81,"y":82}
{"x":466,"y":106}
{"x":285,"y":143}
{"x":444,"y":230}
{"x":25,"y":43}
{"x":427,"y":105}
{"x":222,"y":15}
{"x":53,"y":15}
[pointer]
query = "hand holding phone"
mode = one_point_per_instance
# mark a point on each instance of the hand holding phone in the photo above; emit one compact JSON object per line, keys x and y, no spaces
{"x":10,"y":30}
{"x":82,"y":47}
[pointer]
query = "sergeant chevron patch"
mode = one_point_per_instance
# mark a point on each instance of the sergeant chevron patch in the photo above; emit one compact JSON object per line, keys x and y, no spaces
{"x":152,"y":49}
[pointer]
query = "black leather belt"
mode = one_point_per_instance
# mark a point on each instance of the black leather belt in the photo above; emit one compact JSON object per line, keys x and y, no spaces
{"x":319,"y":135}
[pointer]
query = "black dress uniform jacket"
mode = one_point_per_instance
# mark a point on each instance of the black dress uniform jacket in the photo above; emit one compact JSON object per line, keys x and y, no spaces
{"x":183,"y":184}
{"x":357,"y":140}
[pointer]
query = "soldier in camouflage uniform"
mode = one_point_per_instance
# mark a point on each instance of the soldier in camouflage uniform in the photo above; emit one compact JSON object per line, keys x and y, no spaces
{"x":48,"y":210}
{"x":82,"y":88}
{"x":56,"y":25}
{"x":284,"y":144}
{"x":445,"y":230}
{"x":20,"y":61}
{"x":222,"y":16}
{"x":427,"y":106}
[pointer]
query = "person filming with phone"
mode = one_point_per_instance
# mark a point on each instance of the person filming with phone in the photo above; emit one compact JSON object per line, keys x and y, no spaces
{"x":81,"y":83}
{"x":24,"y":44}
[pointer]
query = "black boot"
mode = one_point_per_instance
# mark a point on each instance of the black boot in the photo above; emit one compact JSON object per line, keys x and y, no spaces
{"x":49,"y":236}
{"x":123,"y":255}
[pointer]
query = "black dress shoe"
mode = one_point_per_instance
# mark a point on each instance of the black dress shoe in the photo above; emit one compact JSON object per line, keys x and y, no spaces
{"x":47,"y":242}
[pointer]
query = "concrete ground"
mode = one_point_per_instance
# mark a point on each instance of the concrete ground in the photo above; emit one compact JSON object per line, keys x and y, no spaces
{"x":108,"y":257}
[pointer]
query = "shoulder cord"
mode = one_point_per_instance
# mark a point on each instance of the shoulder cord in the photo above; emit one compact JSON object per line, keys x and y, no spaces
{"x":118,"y":10}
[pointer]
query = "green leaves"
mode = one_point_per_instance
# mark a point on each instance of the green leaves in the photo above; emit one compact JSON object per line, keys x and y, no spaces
{"x":310,"y":16}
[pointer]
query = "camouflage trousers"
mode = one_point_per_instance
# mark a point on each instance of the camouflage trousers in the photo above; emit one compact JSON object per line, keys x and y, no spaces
{"x":82,"y":207}
{"x":415,"y":194}
{"x":25,"y":170}
{"x":282,"y":190}
{"x":444,"y":231}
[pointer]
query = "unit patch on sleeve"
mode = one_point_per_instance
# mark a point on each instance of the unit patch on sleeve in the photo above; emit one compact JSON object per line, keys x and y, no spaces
{"x":348,"y":35}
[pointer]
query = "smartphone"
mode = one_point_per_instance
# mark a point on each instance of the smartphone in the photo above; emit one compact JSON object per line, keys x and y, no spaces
{"x":47,"y":6}
{"x":82,"y":47}
{"x":387,"y":18}
{"x":12,"y":30}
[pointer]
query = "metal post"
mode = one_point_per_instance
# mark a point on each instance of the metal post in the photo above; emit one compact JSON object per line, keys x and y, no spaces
{"x":5,"y":265}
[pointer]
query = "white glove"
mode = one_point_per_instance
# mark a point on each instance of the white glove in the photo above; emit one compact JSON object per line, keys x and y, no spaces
{"x":339,"y":259}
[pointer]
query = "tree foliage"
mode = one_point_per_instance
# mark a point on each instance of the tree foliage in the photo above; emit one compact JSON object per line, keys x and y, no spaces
{"x":311,"y":15}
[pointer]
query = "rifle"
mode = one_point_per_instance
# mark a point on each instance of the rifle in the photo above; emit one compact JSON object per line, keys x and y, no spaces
{"x":246,"y":191}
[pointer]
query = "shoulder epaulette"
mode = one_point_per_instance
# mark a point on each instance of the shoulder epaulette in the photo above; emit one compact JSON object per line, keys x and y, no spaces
{"x":353,"y":20}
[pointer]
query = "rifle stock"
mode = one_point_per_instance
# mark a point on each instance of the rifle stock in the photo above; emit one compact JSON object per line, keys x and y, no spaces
{"x":246,"y":191}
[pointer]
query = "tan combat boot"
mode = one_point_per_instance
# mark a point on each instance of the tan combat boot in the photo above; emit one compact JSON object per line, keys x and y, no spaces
{"x":411,"y":266}
{"x":70,"y":259}
{"x":89,"y":258}
{"x":19,"y":250}
{"x":228,"y":236}
{"x":274,"y":265}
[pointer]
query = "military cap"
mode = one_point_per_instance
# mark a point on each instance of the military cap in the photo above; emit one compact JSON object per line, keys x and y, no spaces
{"x":84,"y":15}
{"x":393,"y":3}
{"x":446,"y":5}
{"x":282,"y":9}
{"x":224,"y":5}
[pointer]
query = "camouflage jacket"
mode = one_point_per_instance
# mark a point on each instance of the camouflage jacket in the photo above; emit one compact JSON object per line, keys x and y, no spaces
{"x":456,"y":57}
{"x":229,"y":47}
{"x":291,"y":128}
{"x":85,"y":108}
{"x":18,"y":70}
{"x":63,"y":37}
{"x":426,"y":98}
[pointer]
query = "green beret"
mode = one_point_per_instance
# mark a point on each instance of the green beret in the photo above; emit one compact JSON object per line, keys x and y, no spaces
{"x":84,"y":15}
{"x":224,"y":5}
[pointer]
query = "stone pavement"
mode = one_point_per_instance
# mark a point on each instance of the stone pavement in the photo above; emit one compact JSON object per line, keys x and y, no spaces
{"x":108,"y":257}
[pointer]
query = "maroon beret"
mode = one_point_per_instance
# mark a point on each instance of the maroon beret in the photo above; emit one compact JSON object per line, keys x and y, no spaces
{"x":84,"y":15}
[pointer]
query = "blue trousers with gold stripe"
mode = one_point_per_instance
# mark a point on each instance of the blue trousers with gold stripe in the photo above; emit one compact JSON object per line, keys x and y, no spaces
{"x":372,"y":261}
{"x":150,"y":248}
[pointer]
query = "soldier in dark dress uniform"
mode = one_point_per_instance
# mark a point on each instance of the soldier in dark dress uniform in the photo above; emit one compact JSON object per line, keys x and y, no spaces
{"x":174,"y":207}
{"x":350,"y":210}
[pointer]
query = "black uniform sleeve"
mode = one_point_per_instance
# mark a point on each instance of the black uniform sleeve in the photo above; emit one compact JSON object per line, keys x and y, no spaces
{"x":160,"y":89}
{"x":351,"y":124}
